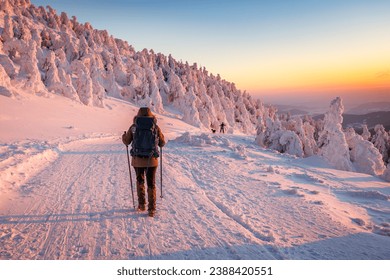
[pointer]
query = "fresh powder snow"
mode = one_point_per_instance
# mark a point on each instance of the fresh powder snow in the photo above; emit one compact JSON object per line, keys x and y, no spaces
{"x":65,"y":193}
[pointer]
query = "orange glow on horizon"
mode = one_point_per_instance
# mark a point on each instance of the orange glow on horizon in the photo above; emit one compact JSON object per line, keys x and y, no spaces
{"x":344,"y":79}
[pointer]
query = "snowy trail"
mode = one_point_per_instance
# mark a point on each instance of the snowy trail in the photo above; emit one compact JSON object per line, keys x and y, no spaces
{"x":221,"y":201}
{"x":70,"y":206}
{"x":81,"y":208}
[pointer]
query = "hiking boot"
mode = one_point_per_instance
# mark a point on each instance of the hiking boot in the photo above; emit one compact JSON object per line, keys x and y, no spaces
{"x":141,"y":208}
{"x":152,"y":199}
{"x":151,"y":213}
{"x":141,"y":196}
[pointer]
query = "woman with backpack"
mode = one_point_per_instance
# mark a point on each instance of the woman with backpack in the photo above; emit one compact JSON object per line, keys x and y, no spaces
{"x":145,"y":136}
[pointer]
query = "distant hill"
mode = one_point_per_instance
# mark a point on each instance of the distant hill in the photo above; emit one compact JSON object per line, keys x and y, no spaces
{"x":370,"y":119}
{"x":292,"y":110}
{"x":370,"y":108}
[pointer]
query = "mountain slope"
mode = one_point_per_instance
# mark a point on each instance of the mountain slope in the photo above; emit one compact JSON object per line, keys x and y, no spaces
{"x":44,"y":53}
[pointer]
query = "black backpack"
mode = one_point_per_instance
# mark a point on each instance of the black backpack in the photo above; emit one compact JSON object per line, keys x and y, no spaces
{"x":145,"y":138}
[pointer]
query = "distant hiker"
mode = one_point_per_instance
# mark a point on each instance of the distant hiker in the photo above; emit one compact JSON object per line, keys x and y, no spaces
{"x":222,"y":126}
{"x":145,"y":137}
{"x":213,"y":130}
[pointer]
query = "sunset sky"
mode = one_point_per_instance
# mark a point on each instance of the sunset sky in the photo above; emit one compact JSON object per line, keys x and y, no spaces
{"x":283,"y":51}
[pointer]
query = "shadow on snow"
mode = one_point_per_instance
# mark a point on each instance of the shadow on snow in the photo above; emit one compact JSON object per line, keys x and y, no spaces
{"x":70,"y":217}
{"x":360,"y":246}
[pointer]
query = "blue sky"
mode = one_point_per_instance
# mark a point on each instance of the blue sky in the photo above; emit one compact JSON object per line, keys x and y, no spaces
{"x":269,"y":48}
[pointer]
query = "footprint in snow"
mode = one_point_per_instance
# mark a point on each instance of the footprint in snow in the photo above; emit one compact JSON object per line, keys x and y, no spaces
{"x":293,"y":191}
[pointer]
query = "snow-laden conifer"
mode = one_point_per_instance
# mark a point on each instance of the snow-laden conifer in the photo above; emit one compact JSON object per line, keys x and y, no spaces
{"x":364,"y":156}
{"x":381,"y":140}
{"x":332,"y":143}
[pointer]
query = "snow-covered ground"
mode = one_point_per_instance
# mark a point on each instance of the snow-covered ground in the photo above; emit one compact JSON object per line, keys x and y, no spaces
{"x":65,"y":193}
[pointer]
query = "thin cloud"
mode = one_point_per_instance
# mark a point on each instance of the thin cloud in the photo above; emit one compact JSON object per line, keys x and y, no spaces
{"x":383,"y":74}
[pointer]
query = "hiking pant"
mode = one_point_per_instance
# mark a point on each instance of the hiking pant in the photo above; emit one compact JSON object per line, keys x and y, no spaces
{"x":151,"y":182}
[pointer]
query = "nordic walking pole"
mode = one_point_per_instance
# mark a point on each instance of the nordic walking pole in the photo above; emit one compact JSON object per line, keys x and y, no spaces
{"x":131,"y":180}
{"x":161,"y":159}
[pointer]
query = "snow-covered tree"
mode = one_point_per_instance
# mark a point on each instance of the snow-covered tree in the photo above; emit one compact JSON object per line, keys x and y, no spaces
{"x":53,"y":20}
{"x":154,"y":93}
{"x":5,"y":83}
{"x":46,"y":41}
{"x":364,"y":156}
{"x":366,"y":133}
{"x":8,"y":66}
{"x":260,"y":131}
{"x":270,"y":136}
{"x":381,"y":141}
{"x":291,"y":144}
{"x":29,"y":68}
{"x":5,"y":6}
{"x":8,"y":30}
{"x":65,"y":22}
{"x":305,"y":132}
{"x":83,"y":84}
{"x":309,"y":143}
{"x":191,"y":113}
{"x":332,"y":143}
{"x":51,"y":78}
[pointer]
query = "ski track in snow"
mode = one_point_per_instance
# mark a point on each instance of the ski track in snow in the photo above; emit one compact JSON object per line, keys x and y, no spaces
{"x":222,"y":200}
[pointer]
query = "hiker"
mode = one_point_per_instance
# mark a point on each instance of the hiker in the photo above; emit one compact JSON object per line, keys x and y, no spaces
{"x":222,"y":126}
{"x":145,"y":136}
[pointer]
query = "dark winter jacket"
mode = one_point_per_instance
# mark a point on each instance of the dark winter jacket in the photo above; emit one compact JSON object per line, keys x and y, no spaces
{"x":127,"y":138}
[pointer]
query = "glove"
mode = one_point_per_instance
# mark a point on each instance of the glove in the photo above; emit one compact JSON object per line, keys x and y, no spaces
{"x":124,"y":138}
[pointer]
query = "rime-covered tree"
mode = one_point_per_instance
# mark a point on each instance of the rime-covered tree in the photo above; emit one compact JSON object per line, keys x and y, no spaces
{"x":309,"y":143}
{"x":8,"y":30}
{"x":364,"y":156}
{"x":260,"y":131}
{"x":51,"y":77}
{"x":332,"y":143}
{"x":5,"y":6}
{"x":381,"y":141}
{"x":83,"y":84}
{"x":291,"y":144}
{"x":5,"y":83}
{"x":366,"y":133}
